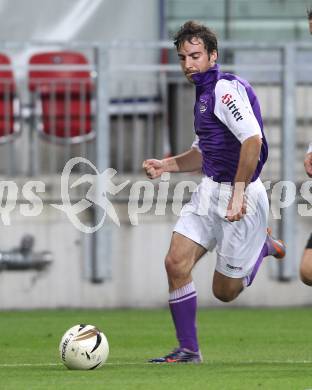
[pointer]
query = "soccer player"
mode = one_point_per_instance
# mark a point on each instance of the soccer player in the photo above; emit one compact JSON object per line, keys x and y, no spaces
{"x":229,"y":209}
{"x":306,"y":261}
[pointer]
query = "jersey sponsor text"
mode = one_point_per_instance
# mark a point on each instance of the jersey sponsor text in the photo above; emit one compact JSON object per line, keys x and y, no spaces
{"x":227,"y":100}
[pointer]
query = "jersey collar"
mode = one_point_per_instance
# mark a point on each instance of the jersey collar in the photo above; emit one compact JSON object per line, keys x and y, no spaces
{"x":203,"y":78}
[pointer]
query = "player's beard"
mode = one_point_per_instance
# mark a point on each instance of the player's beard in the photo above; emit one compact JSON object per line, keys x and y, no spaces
{"x":188,"y":75}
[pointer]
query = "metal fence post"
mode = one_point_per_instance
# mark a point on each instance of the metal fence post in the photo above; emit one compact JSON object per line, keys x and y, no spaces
{"x":101,"y":259}
{"x":288,"y":221}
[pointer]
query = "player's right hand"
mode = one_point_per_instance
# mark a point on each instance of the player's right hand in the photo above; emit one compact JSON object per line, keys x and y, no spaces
{"x":237,"y":207}
{"x":308,"y":164}
{"x":153,"y":168}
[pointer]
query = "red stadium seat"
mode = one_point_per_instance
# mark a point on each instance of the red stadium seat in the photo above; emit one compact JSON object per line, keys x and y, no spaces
{"x":62,"y":96}
{"x":9,"y":104}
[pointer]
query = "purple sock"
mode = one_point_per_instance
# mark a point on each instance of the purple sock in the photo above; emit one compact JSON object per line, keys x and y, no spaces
{"x":249,"y":278}
{"x":183,"y":306}
{"x":270,"y":247}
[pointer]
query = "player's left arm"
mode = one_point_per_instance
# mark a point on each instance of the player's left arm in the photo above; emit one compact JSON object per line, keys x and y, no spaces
{"x":233,"y":108}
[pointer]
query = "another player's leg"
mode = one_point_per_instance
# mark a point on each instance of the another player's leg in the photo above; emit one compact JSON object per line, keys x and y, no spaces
{"x":306,"y":264}
{"x":182,"y":256}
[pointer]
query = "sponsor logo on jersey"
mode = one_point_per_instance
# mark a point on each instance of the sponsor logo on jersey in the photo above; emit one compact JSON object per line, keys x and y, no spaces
{"x":202,"y":108}
{"x":228,"y":100}
{"x":234,"y":268}
{"x":202,"y":105}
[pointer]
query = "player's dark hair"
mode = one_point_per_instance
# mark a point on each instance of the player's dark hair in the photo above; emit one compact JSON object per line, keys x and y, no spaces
{"x":309,"y":13}
{"x":191,"y":30}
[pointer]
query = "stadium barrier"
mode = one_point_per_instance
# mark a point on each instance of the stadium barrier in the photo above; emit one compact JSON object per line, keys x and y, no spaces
{"x":131,"y":107}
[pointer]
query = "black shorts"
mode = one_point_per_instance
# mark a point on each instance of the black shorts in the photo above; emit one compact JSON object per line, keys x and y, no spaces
{"x":309,"y":243}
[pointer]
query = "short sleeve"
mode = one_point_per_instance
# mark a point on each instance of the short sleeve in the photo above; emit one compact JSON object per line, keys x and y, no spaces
{"x":310,"y":148}
{"x":233,"y":108}
{"x":195,"y":143}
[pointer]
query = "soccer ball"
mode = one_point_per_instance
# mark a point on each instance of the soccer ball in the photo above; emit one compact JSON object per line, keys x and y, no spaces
{"x":83,"y":347}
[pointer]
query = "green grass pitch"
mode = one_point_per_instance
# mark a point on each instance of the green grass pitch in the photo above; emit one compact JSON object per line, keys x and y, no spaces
{"x":243,"y":349}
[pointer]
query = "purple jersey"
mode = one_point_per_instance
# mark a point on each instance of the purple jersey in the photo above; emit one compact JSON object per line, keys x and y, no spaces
{"x":227,"y":112}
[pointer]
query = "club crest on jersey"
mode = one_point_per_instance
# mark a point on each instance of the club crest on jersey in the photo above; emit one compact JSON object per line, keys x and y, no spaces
{"x":228,"y":100}
{"x":202,"y":106}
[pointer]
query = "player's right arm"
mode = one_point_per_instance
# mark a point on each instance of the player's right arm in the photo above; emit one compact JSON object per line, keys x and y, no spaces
{"x":308,"y":161}
{"x":188,"y":161}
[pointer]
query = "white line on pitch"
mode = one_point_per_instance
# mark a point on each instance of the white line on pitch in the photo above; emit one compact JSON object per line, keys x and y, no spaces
{"x":29,"y":364}
{"x":3,"y":365}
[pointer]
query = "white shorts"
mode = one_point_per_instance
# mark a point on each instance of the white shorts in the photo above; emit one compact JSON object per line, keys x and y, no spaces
{"x":239,"y":243}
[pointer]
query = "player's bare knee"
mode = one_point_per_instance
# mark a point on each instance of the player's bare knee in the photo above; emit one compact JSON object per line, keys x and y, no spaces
{"x":306,"y":281}
{"x":225,"y":297}
{"x":172,"y":264}
{"x":224,"y":294}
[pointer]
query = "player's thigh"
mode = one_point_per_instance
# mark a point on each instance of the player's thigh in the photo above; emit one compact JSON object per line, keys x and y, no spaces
{"x":183,"y":252}
{"x":197,"y":218}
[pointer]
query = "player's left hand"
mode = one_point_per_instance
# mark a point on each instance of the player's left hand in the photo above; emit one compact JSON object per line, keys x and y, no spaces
{"x":237,"y":207}
{"x":308,"y":164}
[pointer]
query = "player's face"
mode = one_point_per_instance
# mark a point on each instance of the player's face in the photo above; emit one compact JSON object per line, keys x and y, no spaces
{"x":194,"y":58}
{"x":310,"y":25}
